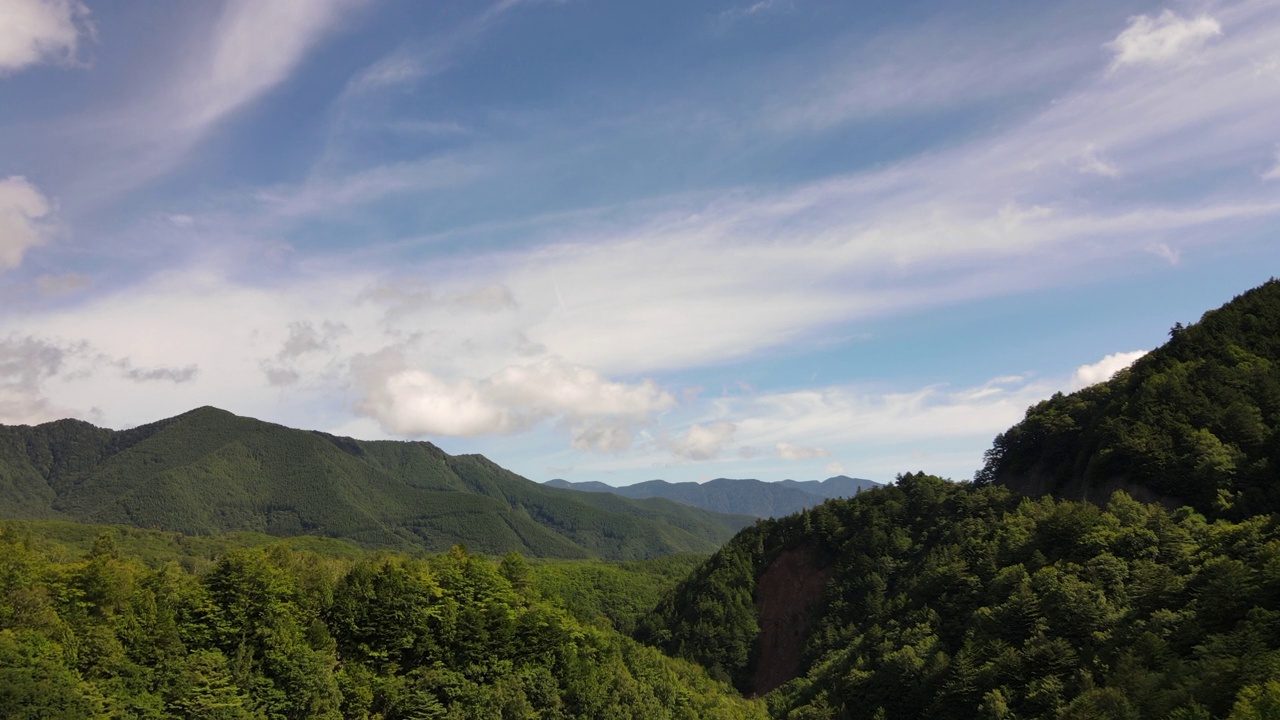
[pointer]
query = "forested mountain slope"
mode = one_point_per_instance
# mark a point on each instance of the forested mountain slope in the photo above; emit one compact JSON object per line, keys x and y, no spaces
{"x":734,"y":496}
{"x":941,"y":600}
{"x":277,"y":632}
{"x":1194,"y":421}
{"x":208,"y":471}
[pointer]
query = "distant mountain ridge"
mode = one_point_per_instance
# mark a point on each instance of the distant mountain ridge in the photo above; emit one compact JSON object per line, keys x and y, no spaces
{"x":209,"y":471}
{"x":735,"y":496}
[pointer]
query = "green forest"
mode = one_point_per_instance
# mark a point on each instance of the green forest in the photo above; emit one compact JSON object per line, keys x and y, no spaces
{"x":279,"y":632}
{"x":1117,"y":557}
{"x":955,"y":601}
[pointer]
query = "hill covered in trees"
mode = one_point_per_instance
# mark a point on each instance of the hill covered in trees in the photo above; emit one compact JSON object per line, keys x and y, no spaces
{"x":739,"y":497}
{"x":279,"y":632}
{"x":1194,"y":421}
{"x":209,"y":471}
{"x":934,"y":599}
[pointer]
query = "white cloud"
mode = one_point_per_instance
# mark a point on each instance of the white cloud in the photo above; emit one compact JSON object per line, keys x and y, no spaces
{"x":1102,"y":370}
{"x":755,"y":9}
{"x":411,"y":401}
{"x":606,"y":435}
{"x":256,"y":44}
{"x":1163,"y":250}
{"x":305,"y":338}
{"x":252,"y":47}
{"x":1163,"y":39}
{"x":702,"y":442}
{"x":1092,"y":163}
{"x":174,"y":375}
{"x":25,"y":364}
{"x":787,"y":451}
{"x":36,"y":31}
{"x":835,"y":468}
{"x":23,"y":220}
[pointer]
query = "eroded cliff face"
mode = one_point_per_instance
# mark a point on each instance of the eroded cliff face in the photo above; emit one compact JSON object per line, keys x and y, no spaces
{"x":786,"y":595}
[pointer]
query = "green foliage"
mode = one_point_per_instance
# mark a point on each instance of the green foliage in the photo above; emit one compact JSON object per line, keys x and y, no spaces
{"x":1193,"y":422}
{"x":959,"y":601}
{"x":277,"y":632}
{"x":609,"y":594}
{"x":210,"y":472}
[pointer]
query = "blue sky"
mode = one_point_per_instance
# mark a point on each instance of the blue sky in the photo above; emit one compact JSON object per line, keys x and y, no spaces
{"x":623,"y":241}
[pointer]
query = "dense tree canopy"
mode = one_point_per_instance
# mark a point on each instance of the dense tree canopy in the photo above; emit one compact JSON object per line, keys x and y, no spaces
{"x":1194,"y":421}
{"x":276,"y":632}
{"x":955,"y":601}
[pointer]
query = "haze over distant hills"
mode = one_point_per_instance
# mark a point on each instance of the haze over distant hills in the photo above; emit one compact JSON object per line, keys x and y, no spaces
{"x":735,"y":496}
{"x":209,"y":471}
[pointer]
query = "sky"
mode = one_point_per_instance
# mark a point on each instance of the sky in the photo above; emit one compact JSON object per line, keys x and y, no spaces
{"x":624,"y":241}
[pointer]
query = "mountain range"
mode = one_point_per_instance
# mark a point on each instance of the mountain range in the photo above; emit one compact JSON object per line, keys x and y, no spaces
{"x":735,"y":496}
{"x":209,"y":471}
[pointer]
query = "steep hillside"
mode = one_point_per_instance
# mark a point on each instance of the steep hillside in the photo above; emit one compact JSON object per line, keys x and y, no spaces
{"x":741,"y":497}
{"x":931,"y":599}
{"x":209,"y":471}
{"x":1194,"y":421}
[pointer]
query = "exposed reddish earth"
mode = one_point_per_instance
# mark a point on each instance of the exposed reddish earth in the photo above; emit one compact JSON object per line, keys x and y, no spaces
{"x":785,"y":594}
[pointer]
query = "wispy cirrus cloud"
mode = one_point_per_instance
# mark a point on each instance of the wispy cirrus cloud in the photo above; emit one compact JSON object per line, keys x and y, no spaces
{"x":252,"y":47}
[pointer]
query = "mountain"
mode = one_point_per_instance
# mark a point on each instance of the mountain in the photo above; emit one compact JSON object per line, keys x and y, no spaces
{"x":1194,"y":421}
{"x":833,"y":487}
{"x":209,"y":471}
{"x":952,"y":601}
{"x":741,"y":497}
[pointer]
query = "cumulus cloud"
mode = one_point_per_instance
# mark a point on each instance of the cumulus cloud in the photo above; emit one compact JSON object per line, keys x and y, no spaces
{"x":1101,"y":371}
{"x":25,"y":364}
{"x":280,"y":377}
{"x":1162,"y":39}
{"x":835,"y":468}
{"x":409,"y":401}
{"x":37,"y":31}
{"x":702,"y":442}
{"x":608,"y":435}
{"x":24,"y":214}
{"x":787,"y":451}
{"x":305,"y":338}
